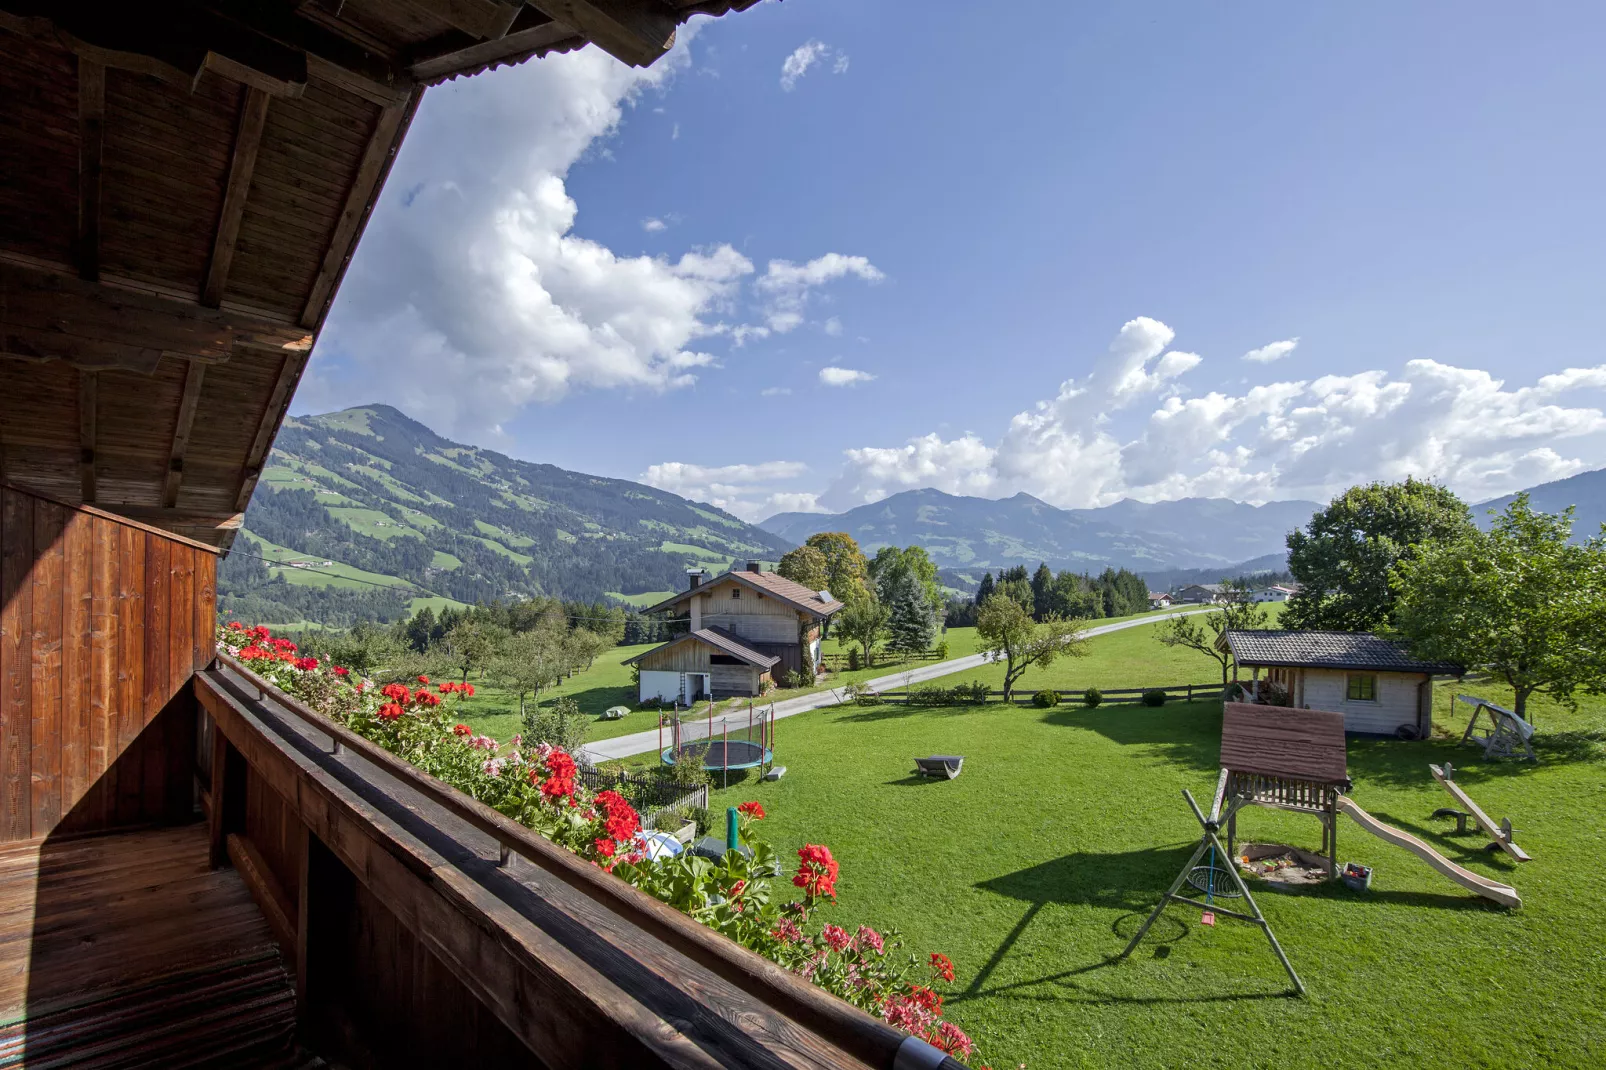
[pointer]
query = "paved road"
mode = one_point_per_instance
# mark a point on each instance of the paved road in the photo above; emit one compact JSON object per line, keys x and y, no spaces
{"x":644,"y":742}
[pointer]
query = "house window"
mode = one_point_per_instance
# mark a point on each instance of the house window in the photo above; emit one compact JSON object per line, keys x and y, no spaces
{"x":724,"y":659}
{"x":736,"y":592}
{"x":1362,"y":687}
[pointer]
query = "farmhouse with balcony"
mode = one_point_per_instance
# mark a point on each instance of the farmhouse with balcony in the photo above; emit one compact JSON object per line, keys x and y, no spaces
{"x":197,"y":869}
{"x":746,"y":627}
{"x":1375,"y":683}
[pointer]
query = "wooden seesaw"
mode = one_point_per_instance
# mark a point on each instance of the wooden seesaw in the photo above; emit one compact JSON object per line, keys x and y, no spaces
{"x":1501,"y":834}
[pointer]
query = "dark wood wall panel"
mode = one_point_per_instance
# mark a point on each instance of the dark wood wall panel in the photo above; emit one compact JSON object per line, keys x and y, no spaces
{"x":369,"y":977}
{"x":39,"y":126}
{"x":276,"y":832}
{"x":103,"y":624}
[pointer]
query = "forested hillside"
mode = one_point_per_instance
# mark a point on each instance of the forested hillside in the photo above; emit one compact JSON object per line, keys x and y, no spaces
{"x":364,"y":513}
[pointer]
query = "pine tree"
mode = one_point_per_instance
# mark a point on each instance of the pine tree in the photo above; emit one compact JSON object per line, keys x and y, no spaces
{"x":1042,"y":590}
{"x":912,"y":625}
{"x":984,"y":589}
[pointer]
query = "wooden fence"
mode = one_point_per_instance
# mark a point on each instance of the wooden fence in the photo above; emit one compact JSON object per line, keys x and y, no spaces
{"x":838,"y":662}
{"x":1113,"y":696}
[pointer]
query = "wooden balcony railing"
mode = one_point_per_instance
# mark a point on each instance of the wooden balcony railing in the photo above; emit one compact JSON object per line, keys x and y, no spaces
{"x":578,"y":965}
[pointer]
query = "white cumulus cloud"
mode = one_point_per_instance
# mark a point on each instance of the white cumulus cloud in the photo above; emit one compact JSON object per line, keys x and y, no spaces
{"x":1274,"y":351}
{"x":834,"y":376}
{"x":653,"y":226}
{"x":744,"y":490}
{"x":807,"y":56}
{"x":784,"y":288}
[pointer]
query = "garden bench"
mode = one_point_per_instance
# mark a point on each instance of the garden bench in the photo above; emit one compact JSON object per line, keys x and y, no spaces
{"x":1507,"y":736}
{"x":943,"y":765}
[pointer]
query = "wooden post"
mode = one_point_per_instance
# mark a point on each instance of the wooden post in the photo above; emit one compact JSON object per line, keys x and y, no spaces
{"x":217,"y":851}
{"x":303,"y":908}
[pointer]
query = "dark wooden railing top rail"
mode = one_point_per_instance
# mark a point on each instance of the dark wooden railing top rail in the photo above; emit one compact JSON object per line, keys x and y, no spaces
{"x":866,"y":1038}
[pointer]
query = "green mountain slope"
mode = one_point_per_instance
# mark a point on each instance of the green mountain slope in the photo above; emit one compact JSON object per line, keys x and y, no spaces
{"x":363,"y":511}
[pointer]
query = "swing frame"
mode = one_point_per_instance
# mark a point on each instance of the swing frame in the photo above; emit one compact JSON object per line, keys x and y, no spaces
{"x":1209,"y":840}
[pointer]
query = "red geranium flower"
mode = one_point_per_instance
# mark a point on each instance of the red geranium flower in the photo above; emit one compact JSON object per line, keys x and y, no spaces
{"x":339,"y":670}
{"x":396,"y":692}
{"x":817,"y":871}
{"x":467,"y":690}
{"x":836,"y":938}
{"x":423,"y":679}
{"x":605,"y":848}
{"x":942,"y":966}
{"x":425,"y":698}
{"x":951,"y":1039}
{"x":462,"y":730}
{"x":752,"y":810}
{"x":389,"y":711}
{"x":305,"y":664}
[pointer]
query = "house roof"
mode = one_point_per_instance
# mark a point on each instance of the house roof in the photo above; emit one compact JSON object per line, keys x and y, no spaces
{"x":1213,"y":588}
{"x":1330,"y":650}
{"x":770,"y":583}
{"x":1155,"y":597}
{"x":719,"y":639}
{"x":1282,"y":742}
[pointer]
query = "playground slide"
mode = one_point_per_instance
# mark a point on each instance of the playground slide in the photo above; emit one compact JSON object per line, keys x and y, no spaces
{"x":1503,"y":894}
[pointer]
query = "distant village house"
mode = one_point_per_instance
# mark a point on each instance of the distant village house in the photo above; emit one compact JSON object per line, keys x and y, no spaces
{"x":1200,"y":594}
{"x":747,"y":628}
{"x":1159,"y":601}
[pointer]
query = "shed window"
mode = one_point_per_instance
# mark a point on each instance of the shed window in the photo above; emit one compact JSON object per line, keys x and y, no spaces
{"x":1362,"y":687}
{"x":736,"y":592}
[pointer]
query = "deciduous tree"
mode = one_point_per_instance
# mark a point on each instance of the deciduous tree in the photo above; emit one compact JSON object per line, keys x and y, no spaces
{"x":1009,"y":634}
{"x":1520,"y":600}
{"x":846,"y":570}
{"x":1343,"y":557}
{"x":1206,"y":632}
{"x":808,"y":566}
{"x":864,"y":621}
{"x":531,"y":662}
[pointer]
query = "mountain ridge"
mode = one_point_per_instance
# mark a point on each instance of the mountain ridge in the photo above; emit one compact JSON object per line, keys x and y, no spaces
{"x":369,"y":498}
{"x":968,"y":532}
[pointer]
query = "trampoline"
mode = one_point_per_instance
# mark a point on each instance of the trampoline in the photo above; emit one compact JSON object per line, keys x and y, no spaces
{"x":731,"y":744}
{"x":721,"y":755}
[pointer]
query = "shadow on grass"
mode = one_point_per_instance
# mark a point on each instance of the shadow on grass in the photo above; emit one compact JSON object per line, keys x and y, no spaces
{"x":593,"y":700}
{"x":890,"y":711}
{"x":1188,"y":733}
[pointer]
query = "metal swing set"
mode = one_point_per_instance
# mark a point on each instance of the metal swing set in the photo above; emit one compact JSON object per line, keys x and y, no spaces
{"x":1216,"y":878}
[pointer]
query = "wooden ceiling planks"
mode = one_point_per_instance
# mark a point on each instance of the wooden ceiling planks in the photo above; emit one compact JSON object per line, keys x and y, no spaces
{"x":39,"y":163}
{"x":138,"y":184}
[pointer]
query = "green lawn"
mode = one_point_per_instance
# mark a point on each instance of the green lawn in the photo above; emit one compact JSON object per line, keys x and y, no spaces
{"x":1033,"y":868}
{"x":495,"y":712}
{"x":642,"y":600}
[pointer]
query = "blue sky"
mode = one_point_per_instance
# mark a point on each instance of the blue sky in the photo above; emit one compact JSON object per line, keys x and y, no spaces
{"x":831,"y":250}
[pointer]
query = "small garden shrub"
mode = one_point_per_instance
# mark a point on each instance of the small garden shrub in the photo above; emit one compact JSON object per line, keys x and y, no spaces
{"x":1154,"y":697}
{"x":853,"y":659}
{"x":861,"y":695}
{"x":942,"y":651}
{"x":561,"y":725}
{"x":972,"y":694}
{"x":1046,"y":699}
{"x":789,"y":679}
{"x":1092,"y":697}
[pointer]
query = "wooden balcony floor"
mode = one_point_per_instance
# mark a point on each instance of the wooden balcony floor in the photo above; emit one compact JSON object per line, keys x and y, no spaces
{"x":130,"y":937}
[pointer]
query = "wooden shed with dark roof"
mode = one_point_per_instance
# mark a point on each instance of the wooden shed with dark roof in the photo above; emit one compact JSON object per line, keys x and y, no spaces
{"x":1377,"y":684}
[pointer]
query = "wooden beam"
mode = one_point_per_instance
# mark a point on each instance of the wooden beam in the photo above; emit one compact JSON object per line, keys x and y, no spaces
{"x":88,"y":388}
{"x":533,"y":33}
{"x":638,"y":32}
{"x":247,"y":139}
{"x":268,"y":426}
{"x":181,"y":432}
{"x":91,"y":129}
{"x":383,"y":142}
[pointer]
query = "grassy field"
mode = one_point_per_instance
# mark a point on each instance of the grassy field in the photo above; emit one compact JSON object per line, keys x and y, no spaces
{"x":1036,"y":865}
{"x":495,"y":712}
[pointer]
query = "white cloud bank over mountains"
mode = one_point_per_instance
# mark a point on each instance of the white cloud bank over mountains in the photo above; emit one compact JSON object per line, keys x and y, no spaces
{"x":1131,"y":428}
{"x":1282,"y":439}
